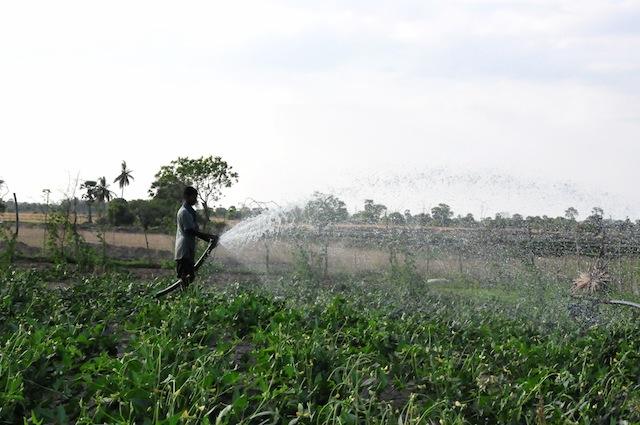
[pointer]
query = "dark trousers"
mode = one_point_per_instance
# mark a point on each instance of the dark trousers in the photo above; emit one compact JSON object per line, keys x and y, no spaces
{"x":186,"y":271}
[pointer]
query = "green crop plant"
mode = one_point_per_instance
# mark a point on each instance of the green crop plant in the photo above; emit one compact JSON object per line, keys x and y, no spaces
{"x":379,"y":348}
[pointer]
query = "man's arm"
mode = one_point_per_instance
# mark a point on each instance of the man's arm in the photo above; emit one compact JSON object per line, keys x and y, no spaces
{"x":204,"y":236}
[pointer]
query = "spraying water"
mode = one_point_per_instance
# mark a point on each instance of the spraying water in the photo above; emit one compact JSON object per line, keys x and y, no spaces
{"x":450,"y":257}
{"x":251,"y":230}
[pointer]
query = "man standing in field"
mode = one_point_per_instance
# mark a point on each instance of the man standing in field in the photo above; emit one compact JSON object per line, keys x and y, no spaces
{"x":186,"y":233}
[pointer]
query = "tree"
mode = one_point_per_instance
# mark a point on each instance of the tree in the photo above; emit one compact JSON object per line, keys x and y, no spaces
{"x":90,"y":194}
{"x":422,"y":219}
{"x":517,"y":221}
{"x":119,"y":213}
{"x":3,"y":204}
{"x":371,"y":214}
{"x":442,"y":214}
{"x":596,"y":219}
{"x":468,"y":220}
{"x":571,"y":214}
{"x":322,"y":212}
{"x":396,"y":219}
{"x":102,"y":192}
{"x":208,"y":175}
{"x":408,"y":218}
{"x":499,"y":222}
{"x":233,"y":213}
{"x":124,"y":178}
{"x":147,"y":215}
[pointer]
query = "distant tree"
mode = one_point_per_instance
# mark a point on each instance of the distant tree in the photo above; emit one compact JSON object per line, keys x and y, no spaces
{"x":143,"y":211}
{"x":89,"y":196}
{"x":396,"y":219}
{"x":594,"y":223}
{"x":220,"y":212}
{"x":442,"y":215}
{"x":517,"y":221}
{"x":145,"y":214}
{"x":408,"y":218}
{"x":208,"y":175}
{"x":468,"y":221}
{"x":166,"y":192}
{"x":233,"y":213}
{"x":422,"y":219}
{"x":597,"y":216}
{"x":119,"y":213}
{"x":3,"y":204}
{"x":571,"y":214}
{"x":322,"y":212}
{"x":534,"y":222}
{"x":102,"y":192}
{"x":371,"y":214}
{"x":123,"y":178}
{"x":499,"y":222}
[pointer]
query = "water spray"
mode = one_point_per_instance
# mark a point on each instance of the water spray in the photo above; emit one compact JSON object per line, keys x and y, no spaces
{"x":268,"y":222}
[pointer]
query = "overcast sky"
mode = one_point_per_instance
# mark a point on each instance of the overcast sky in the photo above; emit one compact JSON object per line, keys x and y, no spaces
{"x":525,"y":107}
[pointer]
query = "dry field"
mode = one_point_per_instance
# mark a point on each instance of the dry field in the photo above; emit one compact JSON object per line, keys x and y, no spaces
{"x":276,"y":256}
{"x":34,"y":236}
{"x":131,"y":245}
{"x":256,"y":256}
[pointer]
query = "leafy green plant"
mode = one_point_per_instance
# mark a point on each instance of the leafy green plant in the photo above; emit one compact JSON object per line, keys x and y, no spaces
{"x":99,"y":349}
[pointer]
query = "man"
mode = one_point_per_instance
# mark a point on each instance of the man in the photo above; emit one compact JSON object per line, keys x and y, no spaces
{"x":186,"y":233}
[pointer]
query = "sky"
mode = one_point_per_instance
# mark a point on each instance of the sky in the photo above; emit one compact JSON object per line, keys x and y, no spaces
{"x":488,"y":106}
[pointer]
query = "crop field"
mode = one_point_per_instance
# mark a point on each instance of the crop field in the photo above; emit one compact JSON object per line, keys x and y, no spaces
{"x":315,"y":329}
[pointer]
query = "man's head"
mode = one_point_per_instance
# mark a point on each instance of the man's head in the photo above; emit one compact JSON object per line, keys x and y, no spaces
{"x":190,"y":195}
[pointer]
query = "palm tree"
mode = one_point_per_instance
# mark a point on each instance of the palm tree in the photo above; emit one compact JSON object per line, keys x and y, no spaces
{"x":123,"y":178}
{"x":90,"y":196}
{"x":102,"y":192}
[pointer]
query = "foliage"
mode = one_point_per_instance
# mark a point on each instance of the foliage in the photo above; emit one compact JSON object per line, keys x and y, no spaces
{"x":64,"y":244}
{"x":90,"y":194}
{"x":119,"y":213}
{"x":9,"y":238}
{"x":209,"y":175}
{"x":371,"y":213}
{"x":100,"y":350}
{"x":96,"y":191}
{"x":442,"y":214}
{"x":3,"y":192}
{"x":124,"y":178}
{"x":324,"y":210}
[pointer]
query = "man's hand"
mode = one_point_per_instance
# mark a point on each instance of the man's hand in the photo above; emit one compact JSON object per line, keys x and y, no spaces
{"x":214,"y":239}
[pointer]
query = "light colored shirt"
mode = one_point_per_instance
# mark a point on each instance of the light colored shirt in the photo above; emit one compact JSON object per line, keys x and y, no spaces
{"x":185,"y":243}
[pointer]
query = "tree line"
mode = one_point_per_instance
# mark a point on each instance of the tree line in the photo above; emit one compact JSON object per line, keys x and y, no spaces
{"x":211,"y":175}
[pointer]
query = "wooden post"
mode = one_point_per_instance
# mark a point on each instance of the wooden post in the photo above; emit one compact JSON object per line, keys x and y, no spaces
{"x":15,"y":200}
